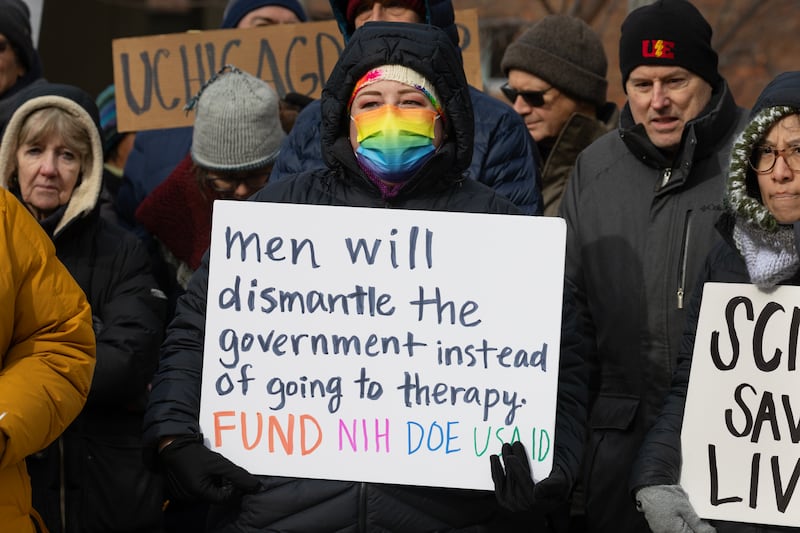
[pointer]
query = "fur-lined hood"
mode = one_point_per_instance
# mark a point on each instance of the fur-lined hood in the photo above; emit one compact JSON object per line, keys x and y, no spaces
{"x":780,"y":98}
{"x":77,"y":103}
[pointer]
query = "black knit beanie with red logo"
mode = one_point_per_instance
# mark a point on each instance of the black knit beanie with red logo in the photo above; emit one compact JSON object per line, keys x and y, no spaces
{"x":668,"y":33}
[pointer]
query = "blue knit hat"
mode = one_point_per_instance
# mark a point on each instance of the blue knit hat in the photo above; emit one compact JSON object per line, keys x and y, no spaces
{"x":107,"y":106}
{"x":237,"y":9}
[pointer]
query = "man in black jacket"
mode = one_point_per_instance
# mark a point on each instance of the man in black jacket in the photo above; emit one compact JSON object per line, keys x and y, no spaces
{"x":437,"y":183}
{"x":640,"y":208}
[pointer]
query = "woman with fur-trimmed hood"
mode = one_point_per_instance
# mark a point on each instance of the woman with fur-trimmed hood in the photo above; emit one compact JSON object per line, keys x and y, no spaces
{"x":762,"y":202}
{"x":92,"y":478}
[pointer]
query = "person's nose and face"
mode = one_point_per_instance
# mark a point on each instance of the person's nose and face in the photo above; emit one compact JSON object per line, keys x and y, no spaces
{"x":394,"y":129}
{"x":11,"y":68}
{"x":267,"y":16}
{"x":387,"y":11}
{"x":396,"y":94}
{"x":543,"y":108}
{"x":47,"y":172}
{"x":663,"y":99}
{"x":776,"y":160}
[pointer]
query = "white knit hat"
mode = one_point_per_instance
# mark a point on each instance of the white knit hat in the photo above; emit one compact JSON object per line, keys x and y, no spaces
{"x":402,"y":74}
{"x":237,"y":124}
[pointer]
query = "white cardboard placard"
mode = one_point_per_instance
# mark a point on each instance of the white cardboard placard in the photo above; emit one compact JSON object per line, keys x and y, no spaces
{"x":741,"y":427}
{"x":345,"y":358}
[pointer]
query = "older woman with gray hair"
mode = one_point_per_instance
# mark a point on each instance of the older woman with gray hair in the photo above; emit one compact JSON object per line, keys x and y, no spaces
{"x":92,"y":479}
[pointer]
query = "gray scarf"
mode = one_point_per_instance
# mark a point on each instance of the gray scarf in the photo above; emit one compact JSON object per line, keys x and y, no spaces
{"x":770,"y":256}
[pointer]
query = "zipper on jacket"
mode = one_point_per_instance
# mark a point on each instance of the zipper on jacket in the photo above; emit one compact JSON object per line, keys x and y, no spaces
{"x":684,"y":260}
{"x":666,"y":174}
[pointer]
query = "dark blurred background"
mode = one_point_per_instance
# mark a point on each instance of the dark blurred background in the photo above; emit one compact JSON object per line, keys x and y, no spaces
{"x":756,"y":39}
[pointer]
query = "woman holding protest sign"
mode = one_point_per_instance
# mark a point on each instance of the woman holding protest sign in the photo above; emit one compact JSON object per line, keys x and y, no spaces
{"x":397,"y":133}
{"x":92,"y":479}
{"x":762,"y":201}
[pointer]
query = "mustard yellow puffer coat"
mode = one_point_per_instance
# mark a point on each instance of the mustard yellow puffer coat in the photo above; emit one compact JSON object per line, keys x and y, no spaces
{"x":47,"y":354}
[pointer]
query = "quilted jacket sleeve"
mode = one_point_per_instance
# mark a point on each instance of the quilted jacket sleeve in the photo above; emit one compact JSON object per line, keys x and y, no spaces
{"x":505,"y":157}
{"x":47,"y":346}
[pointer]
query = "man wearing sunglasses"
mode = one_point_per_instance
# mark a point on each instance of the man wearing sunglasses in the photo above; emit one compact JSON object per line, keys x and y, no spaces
{"x":19,"y":62}
{"x":640,"y":207}
{"x":557,"y":83}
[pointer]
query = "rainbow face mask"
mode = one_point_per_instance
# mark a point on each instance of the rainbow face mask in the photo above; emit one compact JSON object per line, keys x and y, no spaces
{"x":394,"y":142}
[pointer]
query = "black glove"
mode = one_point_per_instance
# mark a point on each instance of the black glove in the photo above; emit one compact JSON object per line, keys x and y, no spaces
{"x":195,"y":473}
{"x":514,"y":487}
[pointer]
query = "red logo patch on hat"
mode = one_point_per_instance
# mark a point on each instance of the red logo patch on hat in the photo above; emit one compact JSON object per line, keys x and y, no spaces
{"x":658,"y":48}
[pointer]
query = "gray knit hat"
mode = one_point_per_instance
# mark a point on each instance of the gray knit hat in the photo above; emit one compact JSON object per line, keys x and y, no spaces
{"x":237,"y":124}
{"x":565,"y":52}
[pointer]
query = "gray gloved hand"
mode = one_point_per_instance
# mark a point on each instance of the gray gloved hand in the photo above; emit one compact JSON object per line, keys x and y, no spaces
{"x":667,"y":510}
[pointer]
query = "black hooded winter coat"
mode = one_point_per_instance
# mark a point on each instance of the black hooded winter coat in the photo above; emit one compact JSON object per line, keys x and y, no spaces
{"x":504,"y":156}
{"x":288,"y":504}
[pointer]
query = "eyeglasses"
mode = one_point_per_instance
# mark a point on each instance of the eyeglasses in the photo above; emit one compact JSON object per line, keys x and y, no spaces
{"x":532,"y":98}
{"x":764,"y":158}
{"x":230,"y":182}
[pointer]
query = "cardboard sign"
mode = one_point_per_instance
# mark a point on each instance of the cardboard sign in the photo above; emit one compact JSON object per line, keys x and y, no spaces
{"x":155,"y":76}
{"x":741,"y":428}
{"x":381,"y":345}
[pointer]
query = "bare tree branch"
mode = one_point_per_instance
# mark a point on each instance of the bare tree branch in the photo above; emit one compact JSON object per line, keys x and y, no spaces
{"x":746,"y":16}
{"x":547,"y":7}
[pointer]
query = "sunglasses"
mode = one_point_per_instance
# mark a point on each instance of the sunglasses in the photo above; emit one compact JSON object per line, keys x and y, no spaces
{"x":532,"y":98}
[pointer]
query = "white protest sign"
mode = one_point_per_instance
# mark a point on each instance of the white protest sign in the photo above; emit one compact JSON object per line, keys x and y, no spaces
{"x":381,"y":345}
{"x":741,"y":427}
